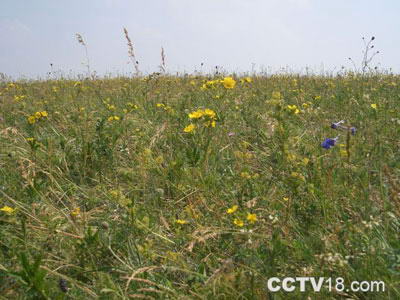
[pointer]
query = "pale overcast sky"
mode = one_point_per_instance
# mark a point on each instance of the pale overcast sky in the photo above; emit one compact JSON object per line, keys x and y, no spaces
{"x":237,"y":35}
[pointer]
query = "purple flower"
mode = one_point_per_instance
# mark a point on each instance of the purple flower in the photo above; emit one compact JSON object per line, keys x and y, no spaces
{"x":353,"y":130}
{"x":337,"y":125}
{"x":328,"y":143}
{"x":231,"y":134}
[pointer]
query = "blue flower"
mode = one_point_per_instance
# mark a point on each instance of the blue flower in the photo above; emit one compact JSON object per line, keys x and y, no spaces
{"x":353,"y":130}
{"x":328,"y":143}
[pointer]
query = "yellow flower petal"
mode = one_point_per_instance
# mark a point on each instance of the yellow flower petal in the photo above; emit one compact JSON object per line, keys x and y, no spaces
{"x":189,"y":128}
{"x":238,"y":222}
{"x":8,"y":210}
{"x":251,"y":218}
{"x":232,"y":209}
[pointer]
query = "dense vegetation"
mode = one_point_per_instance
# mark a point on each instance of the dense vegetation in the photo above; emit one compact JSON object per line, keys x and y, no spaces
{"x":195,"y":187}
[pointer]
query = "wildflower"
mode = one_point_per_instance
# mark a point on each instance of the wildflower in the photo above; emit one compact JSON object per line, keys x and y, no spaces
{"x":374,"y":106}
{"x":8,"y":210}
{"x":246,"y":80}
{"x":245,"y":175}
{"x":210,"y":113}
{"x":44,"y":114}
{"x":132,"y":106}
{"x":273,"y":218}
{"x":251,"y":217}
{"x":337,"y":124}
{"x":19,"y":98}
{"x":113,"y":118}
{"x":75,"y":212}
{"x":31,"y":119}
{"x":276,"y":95}
{"x":343,"y":152}
{"x":210,"y":123}
{"x":181,"y":222}
{"x":232,"y":209}
{"x":328,"y":143}
{"x":196,"y":114}
{"x":238,"y":222}
{"x":229,"y":82}
{"x":293,"y":108}
{"x":189,"y":128}
{"x":231,"y":134}
{"x":38,"y":115}
{"x":209,"y":84}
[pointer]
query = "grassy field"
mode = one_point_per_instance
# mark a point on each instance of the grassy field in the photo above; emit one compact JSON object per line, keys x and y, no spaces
{"x":199,"y":188}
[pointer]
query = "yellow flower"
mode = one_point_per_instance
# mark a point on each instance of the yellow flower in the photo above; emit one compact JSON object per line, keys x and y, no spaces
{"x":276,"y":95}
{"x":293,"y":108}
{"x":8,"y":210}
{"x":229,"y":82}
{"x":132,"y":106}
{"x":248,"y":79}
{"x":181,"y":222}
{"x":196,"y":114}
{"x":38,"y":115}
{"x":31,"y":119}
{"x":374,"y":106}
{"x":76,"y":211}
{"x":44,"y":113}
{"x":210,"y":113}
{"x":112,"y":118}
{"x":189,"y":128}
{"x":245,"y":175}
{"x":238,"y":222}
{"x":30,"y":139}
{"x":160,"y":105}
{"x":232,"y":209}
{"x":251,"y":217}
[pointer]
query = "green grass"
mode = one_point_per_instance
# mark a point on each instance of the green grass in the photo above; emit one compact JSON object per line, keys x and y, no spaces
{"x":108,"y":192}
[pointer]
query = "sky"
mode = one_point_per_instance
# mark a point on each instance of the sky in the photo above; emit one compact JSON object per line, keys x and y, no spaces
{"x":238,"y":36}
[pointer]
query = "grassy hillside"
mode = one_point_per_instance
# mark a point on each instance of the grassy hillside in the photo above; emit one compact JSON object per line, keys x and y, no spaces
{"x":200,"y":188}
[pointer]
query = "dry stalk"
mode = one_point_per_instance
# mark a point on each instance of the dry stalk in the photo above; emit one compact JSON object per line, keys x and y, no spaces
{"x":131,"y":52}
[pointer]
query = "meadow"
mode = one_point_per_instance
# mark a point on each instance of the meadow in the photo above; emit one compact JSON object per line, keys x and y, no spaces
{"x":199,"y":187}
